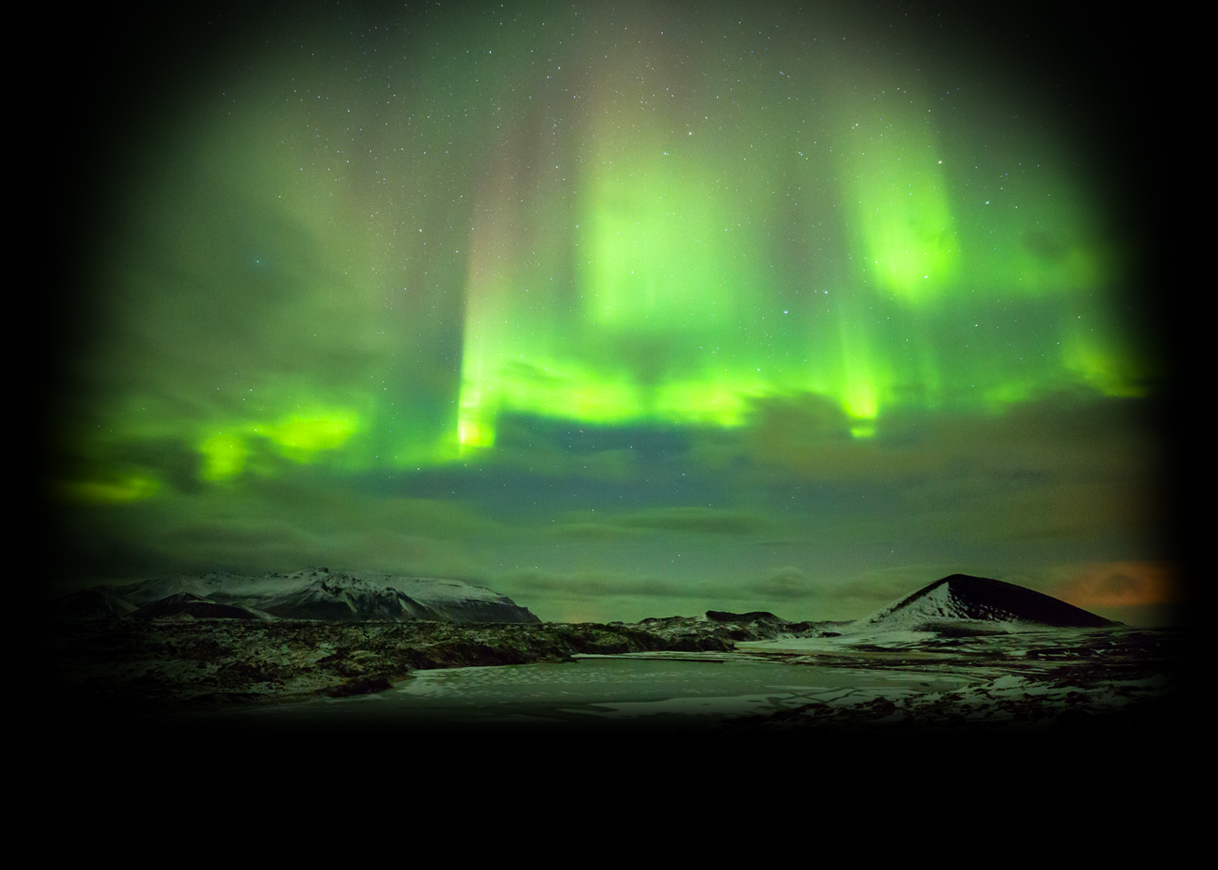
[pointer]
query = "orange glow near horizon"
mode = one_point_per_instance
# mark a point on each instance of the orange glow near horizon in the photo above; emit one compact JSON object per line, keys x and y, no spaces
{"x":1122,"y":584}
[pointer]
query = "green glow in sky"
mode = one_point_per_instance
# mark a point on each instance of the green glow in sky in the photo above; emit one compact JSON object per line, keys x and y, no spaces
{"x":707,"y":264}
{"x":901,"y":213}
{"x":525,"y":245}
{"x":664,"y":251}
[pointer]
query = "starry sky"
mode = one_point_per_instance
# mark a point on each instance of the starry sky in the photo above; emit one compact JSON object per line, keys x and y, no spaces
{"x":623,"y":310}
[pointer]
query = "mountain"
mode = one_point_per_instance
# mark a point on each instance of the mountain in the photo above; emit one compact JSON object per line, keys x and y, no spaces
{"x":314,"y":593}
{"x":340,"y":597}
{"x":189,"y":604}
{"x":961,"y":598}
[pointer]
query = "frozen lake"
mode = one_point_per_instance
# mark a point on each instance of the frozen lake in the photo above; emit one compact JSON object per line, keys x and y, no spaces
{"x":647,"y":690}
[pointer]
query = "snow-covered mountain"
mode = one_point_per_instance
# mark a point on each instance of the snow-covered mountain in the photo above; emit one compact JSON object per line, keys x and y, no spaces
{"x":318,"y":593}
{"x":961,"y":598}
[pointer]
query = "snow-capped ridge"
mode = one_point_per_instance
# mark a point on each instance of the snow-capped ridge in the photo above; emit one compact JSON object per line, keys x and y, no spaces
{"x":962,"y":598}
{"x":319,"y":593}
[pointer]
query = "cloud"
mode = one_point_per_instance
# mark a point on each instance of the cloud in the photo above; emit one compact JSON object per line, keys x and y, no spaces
{"x":1120,"y":584}
{"x":599,"y":526}
{"x":695,"y":519}
{"x":596,"y":531}
{"x":593,"y":585}
{"x":280,"y":523}
{"x":863,"y":594}
{"x":1070,"y":434}
{"x":786,"y":584}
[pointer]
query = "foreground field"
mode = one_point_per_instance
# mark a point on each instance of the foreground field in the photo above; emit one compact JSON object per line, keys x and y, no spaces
{"x":958,"y":679}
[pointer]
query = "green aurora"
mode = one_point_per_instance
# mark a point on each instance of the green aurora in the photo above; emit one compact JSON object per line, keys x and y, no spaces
{"x":619,"y":311}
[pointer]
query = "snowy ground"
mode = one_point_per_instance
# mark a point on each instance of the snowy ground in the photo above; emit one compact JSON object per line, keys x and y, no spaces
{"x":1018,"y":678}
{"x":962,"y":677}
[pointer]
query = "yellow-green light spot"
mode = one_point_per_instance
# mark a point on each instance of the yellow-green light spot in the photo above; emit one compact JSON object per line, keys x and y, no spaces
{"x":224,"y":455}
{"x":473,"y":433}
{"x":706,"y":402}
{"x":302,"y":436}
{"x":1101,"y":369}
{"x":95,"y":492}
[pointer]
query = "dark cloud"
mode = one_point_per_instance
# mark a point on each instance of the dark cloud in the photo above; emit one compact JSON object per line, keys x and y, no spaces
{"x":694,"y":519}
{"x":785,"y":584}
{"x":596,"y":531}
{"x":594,"y":585}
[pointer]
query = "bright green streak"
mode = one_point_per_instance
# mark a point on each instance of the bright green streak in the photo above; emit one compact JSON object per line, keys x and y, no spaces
{"x":314,"y":277}
{"x":661,"y":245}
{"x":663,"y":278}
{"x":902,"y":218}
{"x":683,"y":316}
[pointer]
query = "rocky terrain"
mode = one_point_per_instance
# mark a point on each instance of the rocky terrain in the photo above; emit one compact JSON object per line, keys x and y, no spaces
{"x":726,"y":626}
{"x":133,"y":663}
{"x":1041,"y":680}
{"x":225,"y":640}
{"x":162,"y":648}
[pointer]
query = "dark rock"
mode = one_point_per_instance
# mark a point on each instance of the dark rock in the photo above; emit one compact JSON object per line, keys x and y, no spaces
{"x":188,"y":604}
{"x":99,"y":601}
{"x":360,"y":686}
{"x":752,"y":616}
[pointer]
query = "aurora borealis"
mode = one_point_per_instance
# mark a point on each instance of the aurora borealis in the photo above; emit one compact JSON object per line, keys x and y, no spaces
{"x":622,"y":311}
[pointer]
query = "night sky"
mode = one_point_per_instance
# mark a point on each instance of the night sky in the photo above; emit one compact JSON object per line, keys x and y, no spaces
{"x":623,"y":310}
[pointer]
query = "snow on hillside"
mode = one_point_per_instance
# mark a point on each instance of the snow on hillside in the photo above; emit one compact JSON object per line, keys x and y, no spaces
{"x":937,"y":605}
{"x":318,"y":593}
{"x":964,"y":599}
